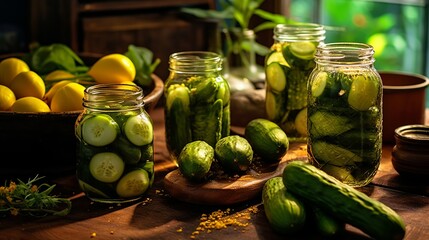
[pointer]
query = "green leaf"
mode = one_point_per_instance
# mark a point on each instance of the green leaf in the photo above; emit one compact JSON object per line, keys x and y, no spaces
{"x":142,"y":59}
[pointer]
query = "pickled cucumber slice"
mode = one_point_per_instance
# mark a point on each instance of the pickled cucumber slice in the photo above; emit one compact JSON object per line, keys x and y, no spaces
{"x":276,"y":77}
{"x":133,"y":184}
{"x":323,"y":123}
{"x":318,"y":85}
{"x":274,"y":106}
{"x":301,"y":122}
{"x":276,"y":57}
{"x":303,"y":50}
{"x":326,"y":153}
{"x":99,"y":130}
{"x":106,"y":167}
{"x":363,"y":93}
{"x":139,"y":130}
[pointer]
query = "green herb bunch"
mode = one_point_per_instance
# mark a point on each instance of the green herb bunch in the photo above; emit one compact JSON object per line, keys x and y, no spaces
{"x":26,"y":198}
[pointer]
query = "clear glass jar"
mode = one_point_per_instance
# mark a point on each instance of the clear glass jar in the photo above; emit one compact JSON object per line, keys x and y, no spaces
{"x":345,"y":113}
{"x":287,"y":68}
{"x":197,"y":100}
{"x":114,"y":144}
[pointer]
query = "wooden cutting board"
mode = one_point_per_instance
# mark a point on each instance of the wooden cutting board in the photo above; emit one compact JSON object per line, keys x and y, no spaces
{"x":227,"y":191}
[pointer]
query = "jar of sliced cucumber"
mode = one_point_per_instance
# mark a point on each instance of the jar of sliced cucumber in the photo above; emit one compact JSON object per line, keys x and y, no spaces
{"x":345,"y":113}
{"x":197,"y":105}
{"x":114,"y":135}
{"x":287,"y":68}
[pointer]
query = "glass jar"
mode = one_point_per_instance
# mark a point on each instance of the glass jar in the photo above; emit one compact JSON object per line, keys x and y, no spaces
{"x":345,"y":113}
{"x":197,"y":100}
{"x":287,"y":68}
{"x":114,"y":144}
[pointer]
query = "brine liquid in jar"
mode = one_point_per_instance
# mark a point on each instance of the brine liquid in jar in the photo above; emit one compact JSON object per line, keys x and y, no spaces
{"x":197,"y":101}
{"x":114,"y":133}
{"x":345,"y":113}
{"x":287,"y":68}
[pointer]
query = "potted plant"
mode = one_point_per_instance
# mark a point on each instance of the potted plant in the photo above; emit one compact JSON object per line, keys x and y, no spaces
{"x":236,"y":39}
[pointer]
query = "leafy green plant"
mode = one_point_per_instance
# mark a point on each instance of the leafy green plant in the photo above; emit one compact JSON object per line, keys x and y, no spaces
{"x":144,"y":63}
{"x":235,"y":17}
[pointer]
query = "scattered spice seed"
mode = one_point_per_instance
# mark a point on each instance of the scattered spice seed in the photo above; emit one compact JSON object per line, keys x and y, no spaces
{"x":220,"y":219}
{"x":93,"y":235}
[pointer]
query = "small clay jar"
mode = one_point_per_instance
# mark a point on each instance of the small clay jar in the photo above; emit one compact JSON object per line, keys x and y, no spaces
{"x":410,"y":155}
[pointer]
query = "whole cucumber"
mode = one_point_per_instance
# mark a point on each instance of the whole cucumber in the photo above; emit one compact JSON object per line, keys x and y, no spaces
{"x":343,"y":201}
{"x":285,"y":213}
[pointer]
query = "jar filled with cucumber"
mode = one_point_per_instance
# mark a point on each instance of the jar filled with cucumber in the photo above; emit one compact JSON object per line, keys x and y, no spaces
{"x":345,"y":113}
{"x":197,"y":101}
{"x":114,"y":133}
{"x":287,"y":68}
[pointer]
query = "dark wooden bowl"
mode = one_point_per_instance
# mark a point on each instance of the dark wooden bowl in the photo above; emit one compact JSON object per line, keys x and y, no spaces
{"x":44,"y":143}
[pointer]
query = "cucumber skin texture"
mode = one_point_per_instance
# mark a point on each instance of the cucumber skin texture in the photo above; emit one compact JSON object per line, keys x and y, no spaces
{"x":325,"y":224}
{"x":342,"y":201}
{"x":267,"y":139}
{"x":234,"y":154}
{"x":195,"y":160}
{"x":285,"y":213}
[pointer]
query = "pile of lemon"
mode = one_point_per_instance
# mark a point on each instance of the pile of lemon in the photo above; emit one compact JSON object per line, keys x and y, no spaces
{"x":23,"y":90}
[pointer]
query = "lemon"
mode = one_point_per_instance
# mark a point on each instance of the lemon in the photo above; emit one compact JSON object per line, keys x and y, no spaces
{"x":68,"y":98}
{"x":28,"y":84}
{"x":9,"y":68}
{"x":30,"y":104}
{"x":51,"y":92}
{"x":58,"y":74}
{"x":113,"y":68}
{"x":7,"y":98}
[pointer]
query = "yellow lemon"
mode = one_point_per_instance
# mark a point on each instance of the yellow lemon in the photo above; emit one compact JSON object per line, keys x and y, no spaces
{"x":58,"y":74}
{"x":28,"y":84}
{"x":113,"y":68}
{"x":7,"y":98}
{"x":30,"y":104}
{"x":51,"y":92}
{"x":9,"y":68}
{"x":68,"y":98}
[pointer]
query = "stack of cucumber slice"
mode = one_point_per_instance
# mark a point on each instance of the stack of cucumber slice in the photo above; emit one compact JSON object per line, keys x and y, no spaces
{"x":344,"y":121}
{"x":115,"y":154}
{"x":287,"y":68}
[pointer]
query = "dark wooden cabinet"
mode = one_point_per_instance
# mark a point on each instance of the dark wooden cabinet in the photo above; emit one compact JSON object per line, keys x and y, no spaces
{"x":110,"y":26}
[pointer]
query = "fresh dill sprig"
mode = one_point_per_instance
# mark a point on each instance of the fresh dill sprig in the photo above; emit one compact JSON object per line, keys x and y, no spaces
{"x":26,"y":198}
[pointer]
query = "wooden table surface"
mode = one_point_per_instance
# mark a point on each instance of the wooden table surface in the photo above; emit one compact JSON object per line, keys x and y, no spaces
{"x":159,"y":216}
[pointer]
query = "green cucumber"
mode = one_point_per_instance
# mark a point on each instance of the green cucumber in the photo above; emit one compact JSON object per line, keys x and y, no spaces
{"x":139,"y":130}
{"x":327,"y":153}
{"x":326,"y":225}
{"x":133,"y":184}
{"x":195,"y":160}
{"x":226,"y":121}
{"x":301,"y":122}
{"x":325,"y":85}
{"x":267,"y":139}
{"x":207,"y":122}
{"x":322,"y":123}
{"x":177,"y":114}
{"x":275,"y":105}
{"x":234,"y":154}
{"x":276,"y":76}
{"x":130,"y":153}
{"x":99,"y":130}
{"x":106,"y":167}
{"x":285,"y":213}
{"x":342,"y":201}
{"x":299,"y":58}
{"x":205,"y":91}
{"x":297,"y":90}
